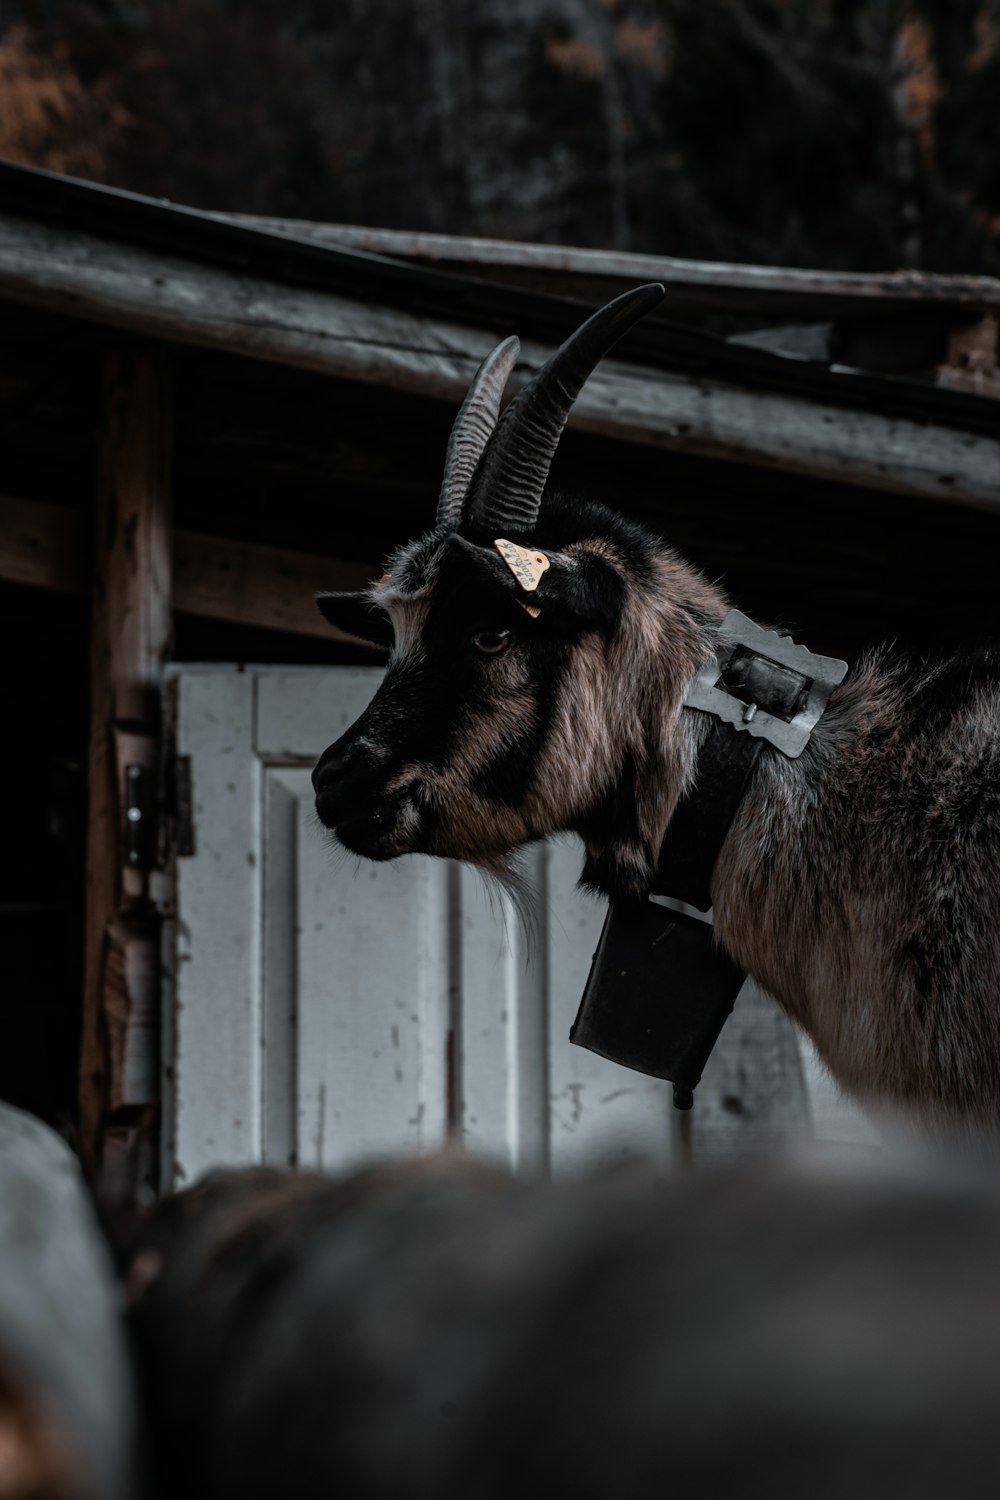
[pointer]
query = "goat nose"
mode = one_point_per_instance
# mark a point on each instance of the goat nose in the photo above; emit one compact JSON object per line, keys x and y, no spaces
{"x":329,"y":771}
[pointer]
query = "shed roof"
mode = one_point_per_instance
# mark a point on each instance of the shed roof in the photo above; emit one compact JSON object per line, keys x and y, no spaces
{"x":780,"y":292}
{"x":303,"y":300}
{"x":315,"y":384}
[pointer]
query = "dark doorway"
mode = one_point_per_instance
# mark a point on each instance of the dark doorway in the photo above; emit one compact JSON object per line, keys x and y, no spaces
{"x":43,"y":774}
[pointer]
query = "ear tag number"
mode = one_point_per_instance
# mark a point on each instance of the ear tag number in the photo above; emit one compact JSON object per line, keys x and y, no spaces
{"x":527,"y":567}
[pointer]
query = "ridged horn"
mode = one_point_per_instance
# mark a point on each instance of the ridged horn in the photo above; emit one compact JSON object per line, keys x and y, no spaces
{"x":506,"y":491}
{"x":472,"y":430}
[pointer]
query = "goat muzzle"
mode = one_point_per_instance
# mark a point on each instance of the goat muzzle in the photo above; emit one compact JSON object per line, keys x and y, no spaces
{"x":353,"y":801}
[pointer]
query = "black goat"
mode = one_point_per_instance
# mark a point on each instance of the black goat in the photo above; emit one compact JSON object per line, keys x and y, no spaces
{"x":435,"y":1331}
{"x":541,"y":655}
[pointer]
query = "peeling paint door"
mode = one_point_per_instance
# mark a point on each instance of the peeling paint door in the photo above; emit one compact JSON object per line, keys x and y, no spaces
{"x":325,"y":1011}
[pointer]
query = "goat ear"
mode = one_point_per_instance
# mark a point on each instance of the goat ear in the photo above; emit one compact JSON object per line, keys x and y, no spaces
{"x":584,"y":590}
{"x":356,"y":615}
{"x":487,"y":563}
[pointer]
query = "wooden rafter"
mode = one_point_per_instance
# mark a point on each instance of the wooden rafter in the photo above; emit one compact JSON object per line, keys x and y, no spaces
{"x":215,"y":577}
{"x":181,"y":301}
{"x":708,"y":286}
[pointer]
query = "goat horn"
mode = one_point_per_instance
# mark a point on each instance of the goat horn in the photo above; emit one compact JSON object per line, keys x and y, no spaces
{"x":471,"y":432}
{"x":506,"y":492}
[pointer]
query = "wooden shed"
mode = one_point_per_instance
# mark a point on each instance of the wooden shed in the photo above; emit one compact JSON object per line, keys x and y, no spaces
{"x":205,"y":418}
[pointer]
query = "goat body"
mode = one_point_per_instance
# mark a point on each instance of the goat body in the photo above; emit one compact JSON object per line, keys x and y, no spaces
{"x":435,"y":1328}
{"x":856,"y":883}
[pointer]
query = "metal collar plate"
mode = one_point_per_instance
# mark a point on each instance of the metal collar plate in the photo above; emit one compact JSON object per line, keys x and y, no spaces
{"x":764,"y":684}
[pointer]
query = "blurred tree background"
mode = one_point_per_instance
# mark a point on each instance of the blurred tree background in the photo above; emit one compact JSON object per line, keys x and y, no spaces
{"x":859,"y":134}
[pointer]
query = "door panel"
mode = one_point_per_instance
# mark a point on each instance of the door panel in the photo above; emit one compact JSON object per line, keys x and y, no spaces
{"x":374,"y":1004}
{"x":212,"y":1091}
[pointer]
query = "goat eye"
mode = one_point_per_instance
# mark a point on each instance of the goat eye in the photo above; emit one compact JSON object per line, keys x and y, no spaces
{"x":491,"y":642}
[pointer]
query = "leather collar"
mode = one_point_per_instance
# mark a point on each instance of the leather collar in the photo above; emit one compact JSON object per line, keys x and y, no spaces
{"x":660,"y":988}
{"x":762,"y":688}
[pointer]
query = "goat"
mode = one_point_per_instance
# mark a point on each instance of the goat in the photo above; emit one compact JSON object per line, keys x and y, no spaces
{"x":435,"y":1328}
{"x":856,"y":883}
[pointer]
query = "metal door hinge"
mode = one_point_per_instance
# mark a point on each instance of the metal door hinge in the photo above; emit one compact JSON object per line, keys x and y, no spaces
{"x":140,"y":818}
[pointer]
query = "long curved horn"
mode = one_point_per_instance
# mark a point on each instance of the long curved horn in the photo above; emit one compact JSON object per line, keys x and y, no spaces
{"x":472,"y":428}
{"x":507,"y":489}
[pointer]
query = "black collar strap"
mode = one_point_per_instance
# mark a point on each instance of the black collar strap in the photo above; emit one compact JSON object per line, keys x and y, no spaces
{"x":763,"y":688}
{"x":660,"y":989}
{"x":704,"y":816}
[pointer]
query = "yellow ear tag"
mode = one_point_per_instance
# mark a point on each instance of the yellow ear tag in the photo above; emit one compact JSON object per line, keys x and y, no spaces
{"x":527,"y":567}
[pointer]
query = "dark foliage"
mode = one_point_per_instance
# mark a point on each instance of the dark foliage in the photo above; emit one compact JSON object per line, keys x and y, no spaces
{"x":845,"y":133}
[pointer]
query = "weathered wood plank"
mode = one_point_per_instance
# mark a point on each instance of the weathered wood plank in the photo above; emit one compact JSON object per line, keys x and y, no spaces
{"x":774,"y":431}
{"x":215,"y":577}
{"x":130,"y":637}
{"x":177,"y":300}
{"x":250,"y":584}
{"x":213,"y":1065}
{"x":706,"y":285}
{"x":501,"y":1052}
{"x":43,"y":545}
{"x":375,"y":1001}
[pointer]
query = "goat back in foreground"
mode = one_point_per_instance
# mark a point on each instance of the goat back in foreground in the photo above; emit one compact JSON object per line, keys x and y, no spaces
{"x":440,"y":1330}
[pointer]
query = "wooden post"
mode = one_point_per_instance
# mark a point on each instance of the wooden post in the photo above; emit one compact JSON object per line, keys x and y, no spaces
{"x":130,"y":640}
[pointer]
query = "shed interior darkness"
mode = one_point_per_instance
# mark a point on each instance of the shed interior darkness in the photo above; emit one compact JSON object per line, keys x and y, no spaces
{"x":43,"y":755}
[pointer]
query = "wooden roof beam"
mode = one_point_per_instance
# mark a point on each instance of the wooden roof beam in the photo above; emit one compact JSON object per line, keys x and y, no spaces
{"x":219,"y":578}
{"x":185,"y":302}
{"x":707,"y":286}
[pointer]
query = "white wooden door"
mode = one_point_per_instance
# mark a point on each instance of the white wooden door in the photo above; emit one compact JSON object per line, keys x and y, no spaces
{"x":324,"y":1010}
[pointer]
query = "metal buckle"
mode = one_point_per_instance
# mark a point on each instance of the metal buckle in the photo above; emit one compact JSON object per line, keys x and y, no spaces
{"x":822,"y":673}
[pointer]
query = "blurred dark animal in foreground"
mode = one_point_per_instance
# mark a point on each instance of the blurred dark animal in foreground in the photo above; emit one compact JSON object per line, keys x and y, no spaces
{"x":440,"y":1330}
{"x":541,"y":687}
{"x":67,"y":1427}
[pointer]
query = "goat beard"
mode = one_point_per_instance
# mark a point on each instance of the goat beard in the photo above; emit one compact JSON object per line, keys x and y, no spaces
{"x":619,"y":872}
